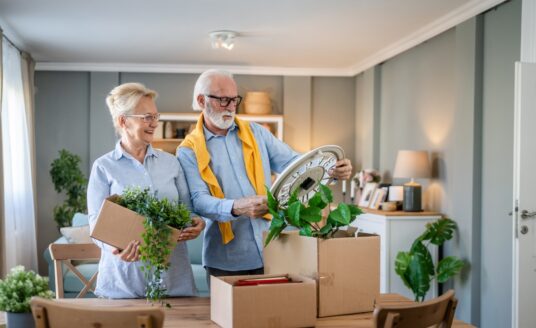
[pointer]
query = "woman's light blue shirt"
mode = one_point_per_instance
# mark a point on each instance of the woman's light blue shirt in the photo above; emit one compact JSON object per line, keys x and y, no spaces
{"x":244,"y":252}
{"x":162,"y":174}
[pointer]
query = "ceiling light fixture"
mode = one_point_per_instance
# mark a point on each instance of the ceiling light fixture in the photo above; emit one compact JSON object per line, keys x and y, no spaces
{"x":222,"y":39}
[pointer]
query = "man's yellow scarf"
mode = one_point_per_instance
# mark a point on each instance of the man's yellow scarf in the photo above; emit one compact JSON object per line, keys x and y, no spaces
{"x":252,"y":160}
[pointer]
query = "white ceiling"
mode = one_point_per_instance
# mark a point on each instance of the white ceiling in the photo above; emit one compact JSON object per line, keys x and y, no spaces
{"x":290,"y":37}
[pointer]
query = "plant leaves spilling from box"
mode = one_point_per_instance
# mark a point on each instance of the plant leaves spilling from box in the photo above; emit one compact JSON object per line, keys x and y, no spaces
{"x":306,"y":217}
{"x":416,"y":267}
{"x":160,"y":215}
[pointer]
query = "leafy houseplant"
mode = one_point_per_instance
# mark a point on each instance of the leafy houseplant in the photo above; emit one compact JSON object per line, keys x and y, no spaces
{"x":306,"y":217}
{"x":160,"y":215}
{"x":66,"y":176}
{"x":416,"y":267}
{"x":17,"y":289}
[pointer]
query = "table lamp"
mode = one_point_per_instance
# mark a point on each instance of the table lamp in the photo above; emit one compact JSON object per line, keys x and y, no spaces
{"x":412,"y":164}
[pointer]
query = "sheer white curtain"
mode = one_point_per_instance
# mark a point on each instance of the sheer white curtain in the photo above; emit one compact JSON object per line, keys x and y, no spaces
{"x":19,"y":200}
{"x":2,"y":244}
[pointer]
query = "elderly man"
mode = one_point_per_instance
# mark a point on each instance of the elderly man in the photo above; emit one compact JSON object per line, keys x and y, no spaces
{"x":227,"y":163}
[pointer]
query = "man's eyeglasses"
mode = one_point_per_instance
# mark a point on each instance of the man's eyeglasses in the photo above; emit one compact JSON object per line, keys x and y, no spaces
{"x":226,"y":101}
{"x":147,"y":118}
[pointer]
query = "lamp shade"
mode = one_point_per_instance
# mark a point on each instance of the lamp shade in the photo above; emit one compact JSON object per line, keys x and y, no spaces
{"x":412,"y":164}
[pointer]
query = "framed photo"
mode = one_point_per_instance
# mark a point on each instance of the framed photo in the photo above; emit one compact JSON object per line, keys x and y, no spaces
{"x":377,"y":198}
{"x":368,"y":192}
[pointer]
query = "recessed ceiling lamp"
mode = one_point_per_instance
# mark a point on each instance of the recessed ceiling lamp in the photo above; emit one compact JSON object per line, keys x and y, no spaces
{"x":222,"y":39}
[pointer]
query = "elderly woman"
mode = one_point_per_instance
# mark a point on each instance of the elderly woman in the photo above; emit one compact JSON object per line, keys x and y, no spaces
{"x":134,"y":162}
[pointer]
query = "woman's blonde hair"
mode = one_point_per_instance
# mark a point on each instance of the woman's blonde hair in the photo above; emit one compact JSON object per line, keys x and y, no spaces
{"x":124,"y":98}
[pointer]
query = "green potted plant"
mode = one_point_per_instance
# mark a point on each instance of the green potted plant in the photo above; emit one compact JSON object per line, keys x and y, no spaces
{"x":306,"y":217}
{"x":416,"y":267}
{"x":160,"y":216}
{"x":67,"y":177}
{"x":16,"y":290}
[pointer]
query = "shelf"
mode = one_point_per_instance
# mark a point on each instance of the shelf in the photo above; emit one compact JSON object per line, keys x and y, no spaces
{"x":274,"y":122}
{"x":167,"y":145}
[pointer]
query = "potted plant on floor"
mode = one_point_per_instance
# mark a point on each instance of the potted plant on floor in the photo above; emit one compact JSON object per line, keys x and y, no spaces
{"x":67,"y":177}
{"x":416,"y":267}
{"x":16,"y":290}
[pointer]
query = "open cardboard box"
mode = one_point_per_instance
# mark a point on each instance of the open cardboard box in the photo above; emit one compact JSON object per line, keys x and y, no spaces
{"x":347,"y":268}
{"x":273,"y":305}
{"x":117,"y":226}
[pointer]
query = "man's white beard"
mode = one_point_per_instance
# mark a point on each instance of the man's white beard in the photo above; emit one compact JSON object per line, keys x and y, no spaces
{"x":217,"y":118}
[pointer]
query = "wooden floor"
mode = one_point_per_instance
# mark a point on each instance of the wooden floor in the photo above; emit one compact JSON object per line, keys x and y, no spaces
{"x":195,"y":312}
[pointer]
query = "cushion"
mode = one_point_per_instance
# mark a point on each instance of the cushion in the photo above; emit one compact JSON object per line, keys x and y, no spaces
{"x":76,"y":235}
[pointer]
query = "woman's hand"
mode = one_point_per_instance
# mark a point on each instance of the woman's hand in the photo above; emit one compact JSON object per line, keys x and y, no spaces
{"x":130,"y":254}
{"x":198,"y":224}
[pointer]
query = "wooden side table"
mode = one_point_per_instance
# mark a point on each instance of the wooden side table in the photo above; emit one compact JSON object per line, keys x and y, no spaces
{"x":397,"y":231}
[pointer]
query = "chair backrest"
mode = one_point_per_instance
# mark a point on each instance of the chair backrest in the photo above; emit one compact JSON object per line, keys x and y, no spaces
{"x":438,"y":311}
{"x":62,"y":254}
{"x":60,"y":314}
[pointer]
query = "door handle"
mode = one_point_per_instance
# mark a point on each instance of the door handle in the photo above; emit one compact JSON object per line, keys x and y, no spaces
{"x":527,"y":215}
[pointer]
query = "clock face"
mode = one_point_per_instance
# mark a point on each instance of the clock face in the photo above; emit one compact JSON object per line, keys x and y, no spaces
{"x":306,"y":173}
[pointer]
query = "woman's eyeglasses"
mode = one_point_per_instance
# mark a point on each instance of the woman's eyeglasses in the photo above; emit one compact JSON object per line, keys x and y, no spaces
{"x":226,"y":101}
{"x":147,"y":118}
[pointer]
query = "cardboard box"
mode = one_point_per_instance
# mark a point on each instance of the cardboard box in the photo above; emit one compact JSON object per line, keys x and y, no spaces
{"x":347,"y":268}
{"x":274,"y":305}
{"x":117,"y":225}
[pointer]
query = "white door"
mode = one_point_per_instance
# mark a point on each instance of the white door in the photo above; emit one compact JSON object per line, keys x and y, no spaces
{"x":524,"y":275}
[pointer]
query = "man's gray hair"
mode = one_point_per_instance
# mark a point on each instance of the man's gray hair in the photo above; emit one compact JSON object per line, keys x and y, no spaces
{"x":202,"y":86}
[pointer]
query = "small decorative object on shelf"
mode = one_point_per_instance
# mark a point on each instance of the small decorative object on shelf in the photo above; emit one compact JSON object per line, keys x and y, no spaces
{"x":257,"y":103}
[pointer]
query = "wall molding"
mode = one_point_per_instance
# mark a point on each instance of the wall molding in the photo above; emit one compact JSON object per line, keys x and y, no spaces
{"x":469,"y":10}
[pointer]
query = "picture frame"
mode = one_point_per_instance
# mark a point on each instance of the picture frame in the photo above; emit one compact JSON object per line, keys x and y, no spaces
{"x":367,"y":194}
{"x":377,"y":198}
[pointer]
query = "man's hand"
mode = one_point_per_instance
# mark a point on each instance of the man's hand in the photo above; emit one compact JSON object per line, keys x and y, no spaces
{"x":130,"y":254}
{"x":342,"y":170}
{"x":253,"y":206}
{"x":198,"y":224}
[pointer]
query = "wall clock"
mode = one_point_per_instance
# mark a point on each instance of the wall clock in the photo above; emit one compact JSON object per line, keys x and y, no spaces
{"x":306,"y":173}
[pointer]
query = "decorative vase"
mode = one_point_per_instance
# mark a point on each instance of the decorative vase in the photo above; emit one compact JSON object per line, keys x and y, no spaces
{"x":19,"y":320}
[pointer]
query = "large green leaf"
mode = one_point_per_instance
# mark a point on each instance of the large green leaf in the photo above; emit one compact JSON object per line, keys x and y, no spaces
{"x":418,"y":247}
{"x":293,"y":214}
{"x":401,"y":266}
{"x":440,"y":231}
{"x":276,"y":226}
{"x":448,"y":267}
{"x":354,"y":212}
{"x":273,"y":204}
{"x":340,"y":216}
{"x":418,"y":276}
{"x":325,"y":229}
{"x":306,"y":231}
{"x":311,"y":214}
{"x":322,"y":197}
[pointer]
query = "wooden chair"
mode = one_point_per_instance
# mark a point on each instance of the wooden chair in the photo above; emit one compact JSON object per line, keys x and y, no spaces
{"x":61,"y":314}
{"x":438,"y":311}
{"x":64,"y":254}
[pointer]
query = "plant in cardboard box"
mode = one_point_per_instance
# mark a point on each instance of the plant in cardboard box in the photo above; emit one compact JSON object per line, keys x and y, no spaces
{"x":67,"y":176}
{"x":16,"y":290}
{"x":416,"y":267}
{"x":160,"y":215}
{"x":306,"y":217}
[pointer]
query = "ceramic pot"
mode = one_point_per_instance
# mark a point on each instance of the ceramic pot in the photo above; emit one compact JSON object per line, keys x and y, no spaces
{"x":19,"y":320}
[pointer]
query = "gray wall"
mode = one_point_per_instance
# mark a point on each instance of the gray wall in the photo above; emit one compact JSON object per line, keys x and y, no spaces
{"x":453,"y":96}
{"x":61,"y":121}
{"x":501,"y":48}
